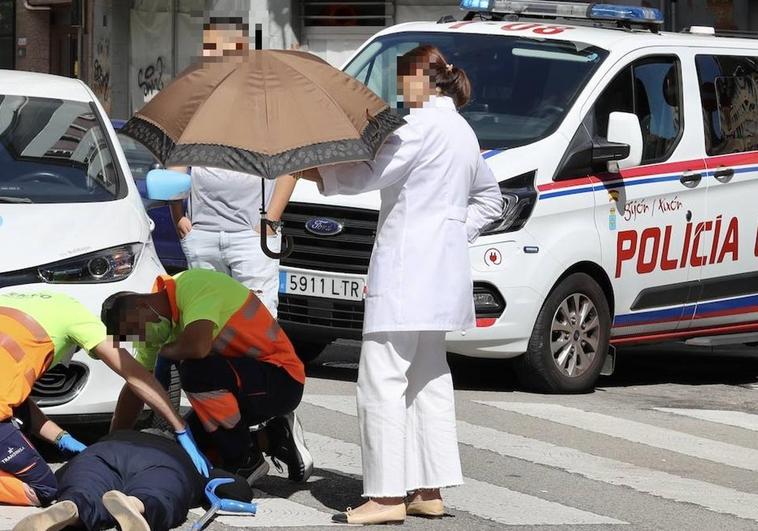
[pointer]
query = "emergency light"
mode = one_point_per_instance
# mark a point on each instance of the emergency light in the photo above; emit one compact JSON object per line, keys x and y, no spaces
{"x":579,"y":10}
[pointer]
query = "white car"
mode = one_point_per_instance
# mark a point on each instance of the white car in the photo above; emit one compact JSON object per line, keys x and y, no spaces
{"x":628,"y":159}
{"x":71,"y":219}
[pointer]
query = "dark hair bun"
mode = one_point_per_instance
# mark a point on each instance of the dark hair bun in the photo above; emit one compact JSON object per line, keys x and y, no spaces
{"x":449,"y":79}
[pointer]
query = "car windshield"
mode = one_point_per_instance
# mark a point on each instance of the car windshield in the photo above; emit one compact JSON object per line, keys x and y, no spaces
{"x":54,"y":151}
{"x":522,"y":88}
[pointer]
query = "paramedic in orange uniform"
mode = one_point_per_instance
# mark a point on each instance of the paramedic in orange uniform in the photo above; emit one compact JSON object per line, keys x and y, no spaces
{"x":39,"y":331}
{"x":237,"y":366}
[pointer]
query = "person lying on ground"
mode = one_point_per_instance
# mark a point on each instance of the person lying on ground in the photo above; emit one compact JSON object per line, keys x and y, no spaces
{"x":39,"y":331}
{"x":136,"y":480}
{"x":236,"y":365}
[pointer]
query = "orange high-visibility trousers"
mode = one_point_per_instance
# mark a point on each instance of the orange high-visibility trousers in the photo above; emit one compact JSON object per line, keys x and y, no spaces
{"x":26,"y":352}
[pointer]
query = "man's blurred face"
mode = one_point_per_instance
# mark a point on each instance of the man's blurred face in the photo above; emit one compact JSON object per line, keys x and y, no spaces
{"x":221,"y":40}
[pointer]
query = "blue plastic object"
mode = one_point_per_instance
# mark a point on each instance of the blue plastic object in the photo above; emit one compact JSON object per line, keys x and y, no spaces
{"x":221,"y":504}
{"x":167,"y":185}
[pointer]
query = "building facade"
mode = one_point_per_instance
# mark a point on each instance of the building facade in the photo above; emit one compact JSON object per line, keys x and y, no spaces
{"x":127,"y":50}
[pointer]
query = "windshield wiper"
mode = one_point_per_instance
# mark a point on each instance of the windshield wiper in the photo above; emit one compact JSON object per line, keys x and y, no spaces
{"x":9,"y":199}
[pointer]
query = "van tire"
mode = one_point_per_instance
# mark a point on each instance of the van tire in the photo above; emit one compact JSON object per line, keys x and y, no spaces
{"x":537,"y":369}
{"x":308,"y":351}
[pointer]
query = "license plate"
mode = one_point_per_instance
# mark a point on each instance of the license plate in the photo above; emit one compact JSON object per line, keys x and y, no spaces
{"x":327,"y":286}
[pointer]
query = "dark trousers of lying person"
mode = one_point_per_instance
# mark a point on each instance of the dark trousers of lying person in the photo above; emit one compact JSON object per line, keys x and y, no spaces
{"x":149,"y":467}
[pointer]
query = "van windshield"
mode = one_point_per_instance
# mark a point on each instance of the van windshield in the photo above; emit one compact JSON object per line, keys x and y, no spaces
{"x":521,"y":88}
{"x":54,"y":151}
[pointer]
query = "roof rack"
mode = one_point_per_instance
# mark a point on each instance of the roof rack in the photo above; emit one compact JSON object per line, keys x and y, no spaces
{"x":621,"y":16}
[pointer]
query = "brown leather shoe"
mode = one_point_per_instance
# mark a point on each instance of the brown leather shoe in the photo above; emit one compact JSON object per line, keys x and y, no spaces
{"x":426,"y":508}
{"x":56,"y":517}
{"x":388,"y":514}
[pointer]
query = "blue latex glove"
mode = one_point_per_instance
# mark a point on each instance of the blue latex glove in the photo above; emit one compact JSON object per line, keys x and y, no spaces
{"x":68,"y":444}
{"x":185,"y":439}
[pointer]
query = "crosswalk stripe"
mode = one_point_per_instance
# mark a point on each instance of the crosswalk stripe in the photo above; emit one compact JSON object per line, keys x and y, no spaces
{"x":482,"y":499}
{"x":661,"y":484}
{"x":638,"y":432}
{"x":275,"y":512}
{"x":738,"y":419}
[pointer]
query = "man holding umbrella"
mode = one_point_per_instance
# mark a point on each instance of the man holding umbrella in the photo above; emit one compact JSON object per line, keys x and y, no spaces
{"x":221,"y":230}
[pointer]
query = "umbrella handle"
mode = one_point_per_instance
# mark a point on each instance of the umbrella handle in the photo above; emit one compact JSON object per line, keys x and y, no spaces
{"x":288,"y":242}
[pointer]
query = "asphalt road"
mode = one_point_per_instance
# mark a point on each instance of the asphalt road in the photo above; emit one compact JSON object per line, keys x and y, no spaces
{"x":669,"y":442}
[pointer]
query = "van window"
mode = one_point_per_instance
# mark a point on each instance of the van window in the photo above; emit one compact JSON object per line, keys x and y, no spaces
{"x":651,"y":89}
{"x":521,"y":88}
{"x":729,"y":100}
{"x":54,"y":151}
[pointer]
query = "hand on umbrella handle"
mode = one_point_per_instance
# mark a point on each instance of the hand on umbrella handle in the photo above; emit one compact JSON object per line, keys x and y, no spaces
{"x":288,"y":242}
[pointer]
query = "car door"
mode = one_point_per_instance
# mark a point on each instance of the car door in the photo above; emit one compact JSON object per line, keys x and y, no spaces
{"x":647,"y":216}
{"x":728,"y":295}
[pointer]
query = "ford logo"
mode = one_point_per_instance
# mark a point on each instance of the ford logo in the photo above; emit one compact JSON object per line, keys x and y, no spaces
{"x":323,"y":226}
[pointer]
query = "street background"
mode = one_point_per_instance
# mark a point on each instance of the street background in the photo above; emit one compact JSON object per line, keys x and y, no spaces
{"x":668,"y":442}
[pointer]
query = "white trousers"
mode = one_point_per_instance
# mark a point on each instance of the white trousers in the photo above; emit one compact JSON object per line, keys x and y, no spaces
{"x":239,"y":255}
{"x":406,"y":411}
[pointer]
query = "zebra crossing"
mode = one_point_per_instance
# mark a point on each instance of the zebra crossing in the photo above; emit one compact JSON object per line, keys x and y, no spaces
{"x":538,"y":474}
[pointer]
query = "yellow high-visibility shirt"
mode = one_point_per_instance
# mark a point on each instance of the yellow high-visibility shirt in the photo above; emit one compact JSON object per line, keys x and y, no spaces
{"x":68,"y":323}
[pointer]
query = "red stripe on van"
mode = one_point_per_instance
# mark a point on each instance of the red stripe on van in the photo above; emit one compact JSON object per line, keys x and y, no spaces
{"x":690,"y":332}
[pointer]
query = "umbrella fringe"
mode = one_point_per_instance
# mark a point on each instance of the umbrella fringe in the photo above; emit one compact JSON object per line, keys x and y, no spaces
{"x":272,"y":166}
{"x":151,"y":136}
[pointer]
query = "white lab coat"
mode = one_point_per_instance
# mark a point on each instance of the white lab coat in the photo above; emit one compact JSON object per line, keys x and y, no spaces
{"x":437,"y":194}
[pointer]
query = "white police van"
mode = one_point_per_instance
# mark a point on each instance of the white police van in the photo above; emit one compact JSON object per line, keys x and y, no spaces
{"x":628,"y":159}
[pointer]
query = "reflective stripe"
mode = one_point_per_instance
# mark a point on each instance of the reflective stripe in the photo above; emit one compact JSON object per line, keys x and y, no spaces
{"x":250,"y":308}
{"x":10,"y":345}
{"x":34,"y":328}
{"x":215,"y":409}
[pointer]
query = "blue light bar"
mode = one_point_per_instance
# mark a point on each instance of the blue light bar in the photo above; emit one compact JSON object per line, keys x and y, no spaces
{"x":647,"y":15}
{"x":578,"y":10}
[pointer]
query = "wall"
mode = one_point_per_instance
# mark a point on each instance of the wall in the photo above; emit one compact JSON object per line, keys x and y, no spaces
{"x":34,"y":26}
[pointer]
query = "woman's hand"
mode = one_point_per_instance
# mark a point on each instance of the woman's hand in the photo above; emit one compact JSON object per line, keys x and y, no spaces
{"x":183,"y":227}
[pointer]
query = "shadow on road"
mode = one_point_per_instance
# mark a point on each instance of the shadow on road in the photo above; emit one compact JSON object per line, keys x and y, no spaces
{"x":670,"y":363}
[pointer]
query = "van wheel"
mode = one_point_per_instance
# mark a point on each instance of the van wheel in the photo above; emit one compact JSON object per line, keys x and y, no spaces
{"x":308,"y":351}
{"x":570,"y":339}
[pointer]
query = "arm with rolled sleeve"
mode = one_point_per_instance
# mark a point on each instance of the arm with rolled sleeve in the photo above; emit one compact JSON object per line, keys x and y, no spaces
{"x":485,"y":202}
{"x":393,"y":163}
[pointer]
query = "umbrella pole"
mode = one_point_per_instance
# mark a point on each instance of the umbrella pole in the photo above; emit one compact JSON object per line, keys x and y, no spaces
{"x":288,"y":242}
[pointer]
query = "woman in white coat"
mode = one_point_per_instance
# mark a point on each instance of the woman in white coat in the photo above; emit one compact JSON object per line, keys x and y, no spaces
{"x":437,"y":194}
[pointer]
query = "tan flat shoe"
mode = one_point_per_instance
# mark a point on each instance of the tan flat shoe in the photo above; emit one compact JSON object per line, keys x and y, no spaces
{"x":388,"y":514}
{"x":125,"y":510}
{"x":427,"y":508}
{"x":56,"y":517}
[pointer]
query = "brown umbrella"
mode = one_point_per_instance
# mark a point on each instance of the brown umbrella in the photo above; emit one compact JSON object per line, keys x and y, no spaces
{"x":269,"y":113}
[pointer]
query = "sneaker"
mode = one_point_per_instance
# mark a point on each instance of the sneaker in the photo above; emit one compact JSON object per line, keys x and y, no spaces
{"x":126,"y":510}
{"x":287,"y":444}
{"x":56,"y":517}
{"x":254,"y":468}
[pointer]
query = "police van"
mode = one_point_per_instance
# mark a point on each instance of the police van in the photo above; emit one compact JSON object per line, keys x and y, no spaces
{"x":628,"y":160}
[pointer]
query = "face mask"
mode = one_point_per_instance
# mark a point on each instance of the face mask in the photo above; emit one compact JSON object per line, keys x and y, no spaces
{"x":158,"y":332}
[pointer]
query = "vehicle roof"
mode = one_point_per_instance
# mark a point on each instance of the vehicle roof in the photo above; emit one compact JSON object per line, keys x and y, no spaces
{"x":34,"y":84}
{"x":596,"y":35}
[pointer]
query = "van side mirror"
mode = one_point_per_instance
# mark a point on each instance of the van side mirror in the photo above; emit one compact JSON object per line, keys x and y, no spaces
{"x":624,"y":128}
{"x":167,"y":185}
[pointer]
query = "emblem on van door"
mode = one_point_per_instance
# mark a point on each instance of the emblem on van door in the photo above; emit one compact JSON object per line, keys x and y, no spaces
{"x":323,"y":226}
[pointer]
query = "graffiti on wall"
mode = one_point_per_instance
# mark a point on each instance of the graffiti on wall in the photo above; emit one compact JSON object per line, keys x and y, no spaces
{"x":101,"y":72}
{"x":150,"y":78}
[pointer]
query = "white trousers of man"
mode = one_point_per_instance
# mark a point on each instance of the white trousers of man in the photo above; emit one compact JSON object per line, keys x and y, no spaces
{"x":406,"y":411}
{"x":239,"y":255}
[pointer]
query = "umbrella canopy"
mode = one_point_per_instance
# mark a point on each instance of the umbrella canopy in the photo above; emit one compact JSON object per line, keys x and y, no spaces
{"x":269,"y":113}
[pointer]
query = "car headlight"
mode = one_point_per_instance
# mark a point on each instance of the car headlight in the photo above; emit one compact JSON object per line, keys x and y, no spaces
{"x":519,"y":197}
{"x":108,"y":265}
